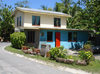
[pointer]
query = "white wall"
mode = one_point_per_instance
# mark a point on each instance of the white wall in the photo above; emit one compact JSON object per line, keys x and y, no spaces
{"x":18,"y":14}
{"x":45,"y":20}
{"x":63,"y":22}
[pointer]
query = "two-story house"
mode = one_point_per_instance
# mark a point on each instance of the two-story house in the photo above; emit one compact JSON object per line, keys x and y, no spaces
{"x":48,"y":27}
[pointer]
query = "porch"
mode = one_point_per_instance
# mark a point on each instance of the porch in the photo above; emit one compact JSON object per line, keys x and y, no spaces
{"x":32,"y":37}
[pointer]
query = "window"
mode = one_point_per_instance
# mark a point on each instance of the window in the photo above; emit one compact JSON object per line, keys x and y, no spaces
{"x":69,"y":36}
{"x":35,"y":20}
{"x":19,"y":21}
{"x":57,"y":22}
{"x":49,"y":37}
{"x":72,"y":36}
{"x":31,"y":36}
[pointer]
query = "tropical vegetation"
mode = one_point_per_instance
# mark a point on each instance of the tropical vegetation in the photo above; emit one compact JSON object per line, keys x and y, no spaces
{"x":18,"y":39}
{"x":7,"y":19}
{"x":85,"y":14}
{"x":57,"y":52}
{"x":93,"y":67}
{"x":86,"y":55}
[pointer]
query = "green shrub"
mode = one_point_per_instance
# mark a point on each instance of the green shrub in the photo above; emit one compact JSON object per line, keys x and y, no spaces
{"x":18,"y":39}
{"x":57,"y":52}
{"x":87,"y":47}
{"x":61,"y":48}
{"x":69,"y":57}
{"x":86,"y":55}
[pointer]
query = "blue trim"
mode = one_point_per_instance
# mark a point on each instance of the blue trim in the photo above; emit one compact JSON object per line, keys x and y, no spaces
{"x":82,"y":37}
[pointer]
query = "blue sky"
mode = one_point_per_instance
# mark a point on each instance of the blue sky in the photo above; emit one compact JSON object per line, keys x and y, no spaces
{"x":35,"y":3}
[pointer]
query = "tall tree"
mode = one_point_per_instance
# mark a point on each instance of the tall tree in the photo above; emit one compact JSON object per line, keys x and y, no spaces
{"x":59,"y":7}
{"x":0,"y":15}
{"x":6,"y":25}
{"x":85,"y":14}
{"x":70,"y":7}
{"x":44,"y":7}
{"x":0,"y":3}
{"x":23,"y":3}
{"x":92,"y":11}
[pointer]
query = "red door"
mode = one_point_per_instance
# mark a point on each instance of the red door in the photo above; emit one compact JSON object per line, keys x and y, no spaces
{"x":57,"y":38}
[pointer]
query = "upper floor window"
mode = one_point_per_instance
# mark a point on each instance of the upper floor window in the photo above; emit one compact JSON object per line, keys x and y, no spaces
{"x":57,"y":22}
{"x":19,"y":20}
{"x":72,"y":36}
{"x":35,"y":20}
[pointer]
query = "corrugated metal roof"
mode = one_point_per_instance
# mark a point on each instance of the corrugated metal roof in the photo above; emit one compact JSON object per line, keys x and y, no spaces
{"x":42,"y":11}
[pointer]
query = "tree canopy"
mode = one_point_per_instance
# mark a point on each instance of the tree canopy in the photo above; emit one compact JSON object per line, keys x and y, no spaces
{"x":6,"y":27}
{"x":7,"y":19}
{"x":46,"y":8}
{"x":85,"y":14}
{"x":23,"y":3}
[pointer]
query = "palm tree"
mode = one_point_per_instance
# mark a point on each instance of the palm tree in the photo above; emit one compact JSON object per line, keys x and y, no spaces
{"x":44,"y":7}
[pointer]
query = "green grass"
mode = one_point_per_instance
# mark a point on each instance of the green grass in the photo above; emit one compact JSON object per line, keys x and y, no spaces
{"x":93,"y":67}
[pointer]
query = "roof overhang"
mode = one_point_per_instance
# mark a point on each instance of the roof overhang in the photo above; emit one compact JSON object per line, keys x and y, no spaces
{"x":41,"y":12}
{"x":65,"y":29}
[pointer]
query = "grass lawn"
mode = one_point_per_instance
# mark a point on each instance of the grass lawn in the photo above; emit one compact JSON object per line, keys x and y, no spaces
{"x":93,"y":67}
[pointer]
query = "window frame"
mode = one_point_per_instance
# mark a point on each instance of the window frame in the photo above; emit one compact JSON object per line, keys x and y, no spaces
{"x":70,"y":38}
{"x":73,"y":37}
{"x":19,"y":21}
{"x":57,"y":22}
{"x":35,"y":23}
{"x":50,"y":37}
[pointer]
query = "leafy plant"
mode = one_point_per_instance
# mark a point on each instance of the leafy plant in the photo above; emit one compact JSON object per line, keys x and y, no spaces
{"x":6,"y":21}
{"x":61,"y":47}
{"x":86,"y":55}
{"x":18,"y":39}
{"x":70,"y":57}
{"x":32,"y":48}
{"x":57,"y":52}
{"x":87,"y":47}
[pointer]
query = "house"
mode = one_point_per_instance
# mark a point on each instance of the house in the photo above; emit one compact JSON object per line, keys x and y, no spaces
{"x":48,"y":27}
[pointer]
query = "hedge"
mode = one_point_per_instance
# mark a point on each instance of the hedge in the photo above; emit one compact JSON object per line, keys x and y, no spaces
{"x":17,"y":39}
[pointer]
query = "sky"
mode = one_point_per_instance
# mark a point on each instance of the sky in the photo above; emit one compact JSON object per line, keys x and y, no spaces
{"x":36,"y":4}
